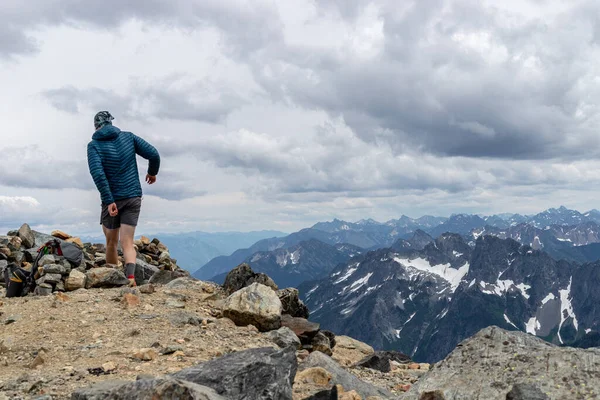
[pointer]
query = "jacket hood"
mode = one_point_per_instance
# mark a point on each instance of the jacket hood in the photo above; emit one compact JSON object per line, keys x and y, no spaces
{"x":107,"y":132}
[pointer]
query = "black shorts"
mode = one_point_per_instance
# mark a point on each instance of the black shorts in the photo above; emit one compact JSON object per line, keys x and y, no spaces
{"x":129,"y":213}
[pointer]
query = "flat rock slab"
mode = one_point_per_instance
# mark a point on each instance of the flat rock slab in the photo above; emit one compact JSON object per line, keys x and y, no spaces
{"x":161,"y":388}
{"x":259,"y":374}
{"x":303,"y":328}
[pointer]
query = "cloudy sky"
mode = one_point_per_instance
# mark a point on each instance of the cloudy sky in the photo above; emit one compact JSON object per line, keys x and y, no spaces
{"x":278,"y":114}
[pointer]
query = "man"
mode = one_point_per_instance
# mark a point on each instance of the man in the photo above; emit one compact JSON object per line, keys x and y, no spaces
{"x":113,"y":165}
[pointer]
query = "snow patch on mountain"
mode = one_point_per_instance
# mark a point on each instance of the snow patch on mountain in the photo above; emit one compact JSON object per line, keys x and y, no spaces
{"x":509,"y":321}
{"x":532,"y":325}
{"x":445,"y":271}
{"x":566,"y":308}
{"x":503,"y":286}
{"x":360,"y":282}
{"x":347,"y":275}
{"x":546,"y":299}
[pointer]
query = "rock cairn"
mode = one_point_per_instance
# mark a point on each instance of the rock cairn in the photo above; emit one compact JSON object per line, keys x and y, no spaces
{"x":56,"y":274}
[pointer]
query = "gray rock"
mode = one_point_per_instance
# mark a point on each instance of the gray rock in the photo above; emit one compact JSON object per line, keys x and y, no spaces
{"x":292,"y":304}
{"x":341,"y":377}
{"x":183,"y":283}
{"x":304,"y":329}
{"x":181,"y":318}
{"x":285,"y":337}
{"x":27,"y":237}
{"x":524,"y":391}
{"x":162,"y":277}
{"x":380,"y":360}
{"x":321,"y":343}
{"x":144,"y":271}
{"x":493,"y":360}
{"x":243,"y":276}
{"x":51,"y":279}
{"x":256,"y":305}
{"x":76,"y":280}
{"x":44,"y":289}
{"x":54,"y":269}
{"x":105,"y":277}
{"x":3,"y":265}
{"x":263,"y":373}
{"x":331,"y":336}
{"x":160,"y":388}
{"x":47,"y":259}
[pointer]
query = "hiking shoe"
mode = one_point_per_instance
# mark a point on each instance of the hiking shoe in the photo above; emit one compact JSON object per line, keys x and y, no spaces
{"x":132,"y":282}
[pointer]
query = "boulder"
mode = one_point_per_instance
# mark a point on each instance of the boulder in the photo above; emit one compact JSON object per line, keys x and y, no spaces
{"x":256,"y":305}
{"x":321,"y":343}
{"x":304,"y":329}
{"x":292,"y":304}
{"x":162,"y":277}
{"x":349,"y":351}
{"x":51,"y":279}
{"x":144,"y":271}
{"x":54,"y":269}
{"x":380,"y":360}
{"x":243,"y":276}
{"x":263,"y":373}
{"x":285,"y":337}
{"x":27,"y":236}
{"x":341,"y":377}
{"x":160,"y":388}
{"x":44,"y":289}
{"x":76,"y":280}
{"x":494,"y":360}
{"x":103,"y":277}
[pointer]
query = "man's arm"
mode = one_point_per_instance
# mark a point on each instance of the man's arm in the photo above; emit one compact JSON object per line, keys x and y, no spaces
{"x":98,"y":175}
{"x":149,"y":152}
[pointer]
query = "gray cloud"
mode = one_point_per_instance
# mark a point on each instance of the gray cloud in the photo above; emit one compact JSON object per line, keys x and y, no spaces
{"x":172,"y":98}
{"x":246,"y":26}
{"x":457,"y":79}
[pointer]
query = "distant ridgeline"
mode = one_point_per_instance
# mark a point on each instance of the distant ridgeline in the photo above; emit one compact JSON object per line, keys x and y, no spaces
{"x":422,"y":285}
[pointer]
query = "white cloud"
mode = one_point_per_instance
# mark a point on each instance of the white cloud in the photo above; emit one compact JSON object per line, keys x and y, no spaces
{"x":276,"y":115}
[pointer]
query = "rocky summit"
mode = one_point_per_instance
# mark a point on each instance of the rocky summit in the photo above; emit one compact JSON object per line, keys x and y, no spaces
{"x":176,"y":337}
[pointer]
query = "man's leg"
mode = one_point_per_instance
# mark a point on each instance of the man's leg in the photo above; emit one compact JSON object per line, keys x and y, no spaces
{"x":112,"y":242}
{"x":127,"y":234}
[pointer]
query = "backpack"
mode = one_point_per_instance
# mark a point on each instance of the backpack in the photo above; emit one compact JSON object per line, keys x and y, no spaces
{"x":20,"y":282}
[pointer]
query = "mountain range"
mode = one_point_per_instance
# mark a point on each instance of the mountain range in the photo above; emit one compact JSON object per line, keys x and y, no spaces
{"x":557,"y":230}
{"x":424,"y":302}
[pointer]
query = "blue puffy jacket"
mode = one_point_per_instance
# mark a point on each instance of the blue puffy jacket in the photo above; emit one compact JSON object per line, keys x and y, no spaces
{"x":113,"y":165}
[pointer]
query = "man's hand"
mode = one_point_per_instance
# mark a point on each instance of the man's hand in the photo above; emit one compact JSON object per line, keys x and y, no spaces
{"x":113,"y":210}
{"x":150,"y":179}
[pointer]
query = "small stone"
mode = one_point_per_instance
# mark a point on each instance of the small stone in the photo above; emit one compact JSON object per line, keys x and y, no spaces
{"x":62,"y":297}
{"x":402,"y":388}
{"x":76,"y":280}
{"x":109,"y":366}
{"x":38,"y":360}
{"x":147,"y":354}
{"x":12,"y":319}
{"x":175,"y":303}
{"x":424,"y":366}
{"x":351,"y":395}
{"x":414,"y":366}
{"x":179,"y":353}
{"x":144,"y":241}
{"x":60,"y":234}
{"x":147,"y":289}
{"x":284,"y":337}
{"x":171,"y":349}
{"x":43,"y":289}
{"x":302,"y":354}
{"x":130,"y":300}
{"x":321,"y":343}
{"x":317,"y":376}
